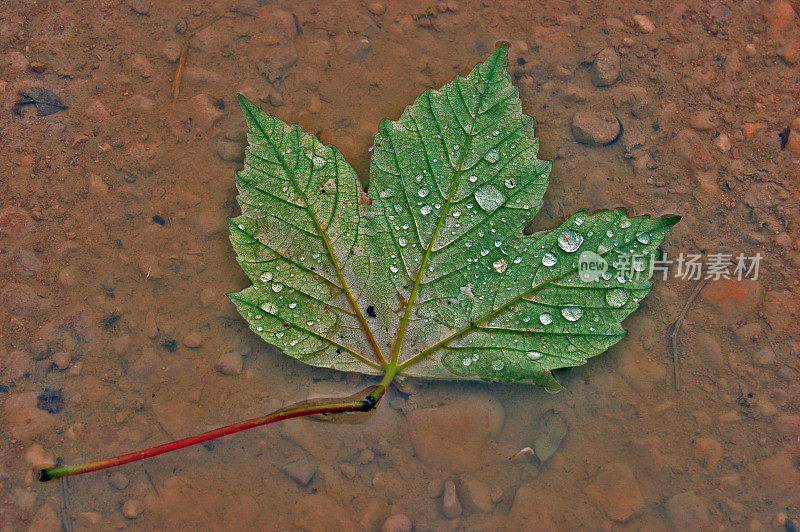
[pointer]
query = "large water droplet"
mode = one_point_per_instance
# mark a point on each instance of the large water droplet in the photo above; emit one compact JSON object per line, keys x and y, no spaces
{"x":644,"y":238}
{"x":277,"y":287}
{"x":572,"y":313}
{"x":534,"y":355}
{"x":402,"y":242}
{"x":549,"y":259}
{"x":498,"y":364}
{"x":546,"y":319}
{"x":266,"y":277}
{"x":492,"y":156}
{"x":423,"y":192}
{"x":489,"y":198}
{"x":570,"y":241}
{"x":500,"y":265}
{"x":616,"y":297}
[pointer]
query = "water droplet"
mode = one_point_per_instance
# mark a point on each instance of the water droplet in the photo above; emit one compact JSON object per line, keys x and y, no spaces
{"x":318,"y":162}
{"x":518,"y":260}
{"x":510,"y":182}
{"x":572,"y":313}
{"x":492,"y":156}
{"x":259,"y":328}
{"x":644,"y":238}
{"x":277,"y":287}
{"x":473,"y":178}
{"x":467,"y":362}
{"x":423,"y":192}
{"x":293,"y":304}
{"x":498,"y":364}
{"x":616,"y":297}
{"x":609,"y":233}
{"x":546,"y":319}
{"x":534,"y":355}
{"x":489,"y":198}
{"x":265,"y":277}
{"x":456,"y":214}
{"x":393,"y":268}
{"x":500,"y":265}
{"x":495,"y":132}
{"x":549,"y":259}
{"x":425,"y":210}
{"x":241,"y":226}
{"x":625,"y":224}
{"x":268,"y":306}
{"x":402,"y":242}
{"x":580,"y":219}
{"x":570,"y":241}
{"x":418,"y":178}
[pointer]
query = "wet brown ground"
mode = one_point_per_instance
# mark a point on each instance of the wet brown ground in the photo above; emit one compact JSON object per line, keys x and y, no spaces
{"x":114,"y":263}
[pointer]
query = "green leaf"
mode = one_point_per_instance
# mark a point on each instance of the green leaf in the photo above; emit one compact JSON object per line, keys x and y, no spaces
{"x":432,"y":276}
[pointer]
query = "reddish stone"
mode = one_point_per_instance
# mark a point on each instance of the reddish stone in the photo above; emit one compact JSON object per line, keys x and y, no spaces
{"x":734,"y":299}
{"x":616,"y":492}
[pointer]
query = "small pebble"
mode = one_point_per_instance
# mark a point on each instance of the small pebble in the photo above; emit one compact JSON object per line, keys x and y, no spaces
{"x":366,"y":456}
{"x":193,"y":340}
{"x":132,"y":509}
{"x":606,"y":67}
{"x":62,"y":360}
{"x":595,"y":128}
{"x":118,"y":480}
{"x":229,"y":363}
{"x":723,"y":142}
{"x":140,"y":7}
{"x":300,"y":471}
{"x":451,"y":507}
{"x":376,"y":8}
{"x":644,"y":23}
{"x":397,"y":523}
{"x":764,"y":357}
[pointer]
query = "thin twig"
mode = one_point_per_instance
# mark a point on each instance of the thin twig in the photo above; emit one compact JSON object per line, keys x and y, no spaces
{"x":676,"y":328}
{"x":176,"y":81}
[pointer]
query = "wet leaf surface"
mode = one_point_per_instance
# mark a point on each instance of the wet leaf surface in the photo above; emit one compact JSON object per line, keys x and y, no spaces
{"x":453,"y":183}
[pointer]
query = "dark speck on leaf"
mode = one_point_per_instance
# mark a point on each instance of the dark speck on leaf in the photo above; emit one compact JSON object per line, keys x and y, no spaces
{"x":159,"y":220}
{"x":371,"y":311}
{"x":50,"y":401}
{"x":171,"y":345}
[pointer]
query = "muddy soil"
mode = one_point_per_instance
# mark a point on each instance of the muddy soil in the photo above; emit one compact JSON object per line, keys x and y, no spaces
{"x":115,"y":332}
